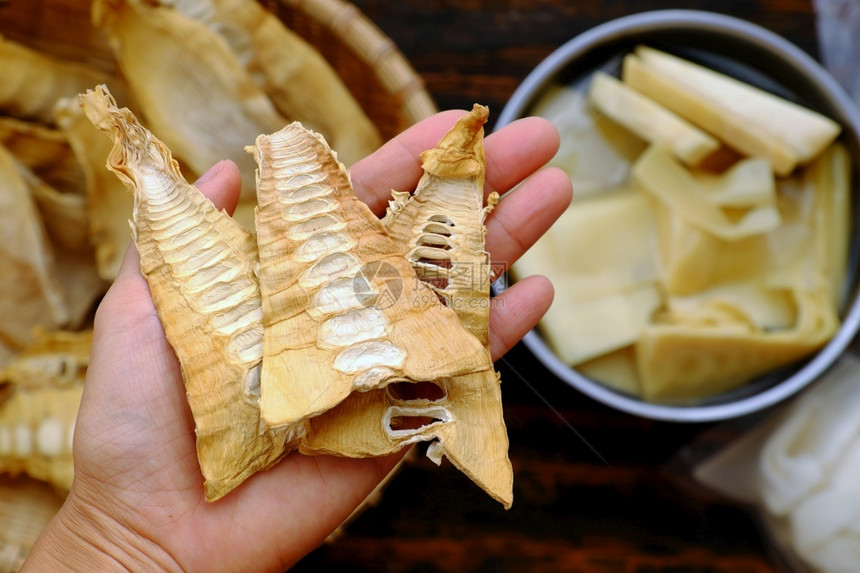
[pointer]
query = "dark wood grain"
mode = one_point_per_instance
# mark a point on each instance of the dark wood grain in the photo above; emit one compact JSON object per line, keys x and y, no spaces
{"x":595,"y":489}
{"x":480,"y":50}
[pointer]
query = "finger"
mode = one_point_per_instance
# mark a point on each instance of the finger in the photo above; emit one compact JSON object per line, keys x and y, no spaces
{"x":221,"y":184}
{"x":512,"y":153}
{"x":516,"y":311}
{"x":524,"y":214}
{"x":518,"y":150}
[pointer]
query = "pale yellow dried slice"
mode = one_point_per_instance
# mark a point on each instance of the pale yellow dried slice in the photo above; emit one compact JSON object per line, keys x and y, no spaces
{"x":580,"y":330}
{"x":36,"y":429}
{"x":682,"y":362}
{"x":692,"y":260}
{"x":440,"y":230}
{"x":45,"y":383}
{"x":747,"y":183}
{"x":658,"y":172}
{"x":742,"y":136}
{"x":342,"y":309}
{"x":65,"y":218}
{"x":200,"y":267}
{"x":740,"y":106}
{"x":830,"y":176}
{"x":32,"y":294}
{"x":33,"y":81}
{"x":650,"y":120}
{"x":755,"y":304}
{"x":595,"y":152}
{"x":297,"y":78}
{"x":192,"y":91}
{"x":44,"y":150}
{"x":64,"y":214}
{"x":604,"y":244}
{"x":616,"y":369}
{"x":109,"y":205}
{"x":56,"y":358}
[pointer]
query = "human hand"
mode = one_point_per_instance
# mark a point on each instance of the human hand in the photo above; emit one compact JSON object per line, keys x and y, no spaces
{"x":137,"y":499}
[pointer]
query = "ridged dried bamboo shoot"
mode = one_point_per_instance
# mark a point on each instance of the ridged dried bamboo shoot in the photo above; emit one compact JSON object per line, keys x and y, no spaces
{"x":440,"y":230}
{"x":192,"y":91}
{"x":297,"y":78}
{"x":200,"y":267}
{"x":342,"y":308}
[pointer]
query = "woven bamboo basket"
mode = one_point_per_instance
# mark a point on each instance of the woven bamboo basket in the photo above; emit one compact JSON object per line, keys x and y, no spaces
{"x":370,"y":64}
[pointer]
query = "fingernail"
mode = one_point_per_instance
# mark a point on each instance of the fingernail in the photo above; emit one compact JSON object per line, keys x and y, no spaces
{"x":212,"y":172}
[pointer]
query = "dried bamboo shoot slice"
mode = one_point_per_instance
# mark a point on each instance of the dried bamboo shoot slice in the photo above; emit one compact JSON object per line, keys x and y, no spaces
{"x":57,"y":358}
{"x":596,"y":153}
{"x":190,"y":87}
{"x":297,"y":78}
{"x":446,"y":214}
{"x":33,"y":81}
{"x":64,"y":214}
{"x":342,"y":308}
{"x":740,"y":107}
{"x":200,"y":267}
{"x":109,"y":204}
{"x":44,"y":150}
{"x":65,"y":219}
{"x":680,"y":362}
{"x":660,"y":174}
{"x":650,"y":120}
{"x":36,"y":429}
{"x":32,"y":294}
{"x":602,"y":246}
{"x":37,"y":421}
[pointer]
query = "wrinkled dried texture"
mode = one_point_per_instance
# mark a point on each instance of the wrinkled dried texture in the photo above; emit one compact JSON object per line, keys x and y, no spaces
{"x":26,"y":507}
{"x":342,"y":309}
{"x":65,"y":219}
{"x":7,"y":353}
{"x":192,"y":91}
{"x":33,"y":81}
{"x":46,"y":151}
{"x":64,"y":214}
{"x":44,"y":384}
{"x":301,"y":84}
{"x":109,"y":204}
{"x":32,"y":295}
{"x":58,"y":359}
{"x":199,"y":265}
{"x":440,"y":230}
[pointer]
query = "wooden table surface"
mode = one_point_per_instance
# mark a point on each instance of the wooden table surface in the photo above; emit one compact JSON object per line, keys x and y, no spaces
{"x":595,"y":489}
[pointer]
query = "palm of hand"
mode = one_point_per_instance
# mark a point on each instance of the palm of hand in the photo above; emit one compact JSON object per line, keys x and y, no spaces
{"x":137,"y":476}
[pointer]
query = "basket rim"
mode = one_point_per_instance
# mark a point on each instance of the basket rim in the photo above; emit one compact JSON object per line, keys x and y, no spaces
{"x":367,"y":41}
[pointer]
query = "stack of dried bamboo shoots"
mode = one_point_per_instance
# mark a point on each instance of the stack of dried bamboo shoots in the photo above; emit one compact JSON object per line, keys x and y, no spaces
{"x":66,"y":218}
{"x":330,"y":332}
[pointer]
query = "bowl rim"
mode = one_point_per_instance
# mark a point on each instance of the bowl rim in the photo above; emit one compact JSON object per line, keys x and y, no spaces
{"x":715,"y":23}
